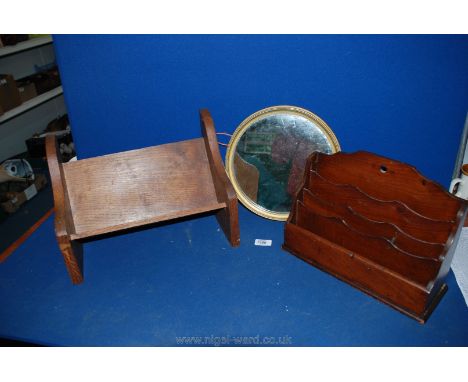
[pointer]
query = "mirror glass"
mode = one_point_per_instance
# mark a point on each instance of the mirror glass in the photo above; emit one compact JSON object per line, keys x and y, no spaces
{"x":267,"y":153}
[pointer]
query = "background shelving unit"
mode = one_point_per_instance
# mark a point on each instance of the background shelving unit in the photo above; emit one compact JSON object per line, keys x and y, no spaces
{"x":21,"y":123}
{"x":25,"y":45}
{"x":31,"y":104}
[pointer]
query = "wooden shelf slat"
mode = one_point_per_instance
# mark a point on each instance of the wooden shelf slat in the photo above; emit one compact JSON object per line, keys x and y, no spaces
{"x":149,"y":184}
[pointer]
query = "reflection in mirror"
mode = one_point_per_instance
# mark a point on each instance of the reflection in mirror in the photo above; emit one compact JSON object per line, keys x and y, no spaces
{"x":267,"y":154}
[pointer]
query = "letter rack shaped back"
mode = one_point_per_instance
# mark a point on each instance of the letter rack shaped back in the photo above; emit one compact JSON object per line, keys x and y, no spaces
{"x":379,"y":225}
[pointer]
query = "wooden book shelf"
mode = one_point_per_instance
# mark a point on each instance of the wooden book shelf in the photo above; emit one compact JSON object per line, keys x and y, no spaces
{"x":379,"y":225}
{"x":134,"y":188}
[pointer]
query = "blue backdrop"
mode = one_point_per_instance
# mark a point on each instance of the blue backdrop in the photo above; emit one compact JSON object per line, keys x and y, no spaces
{"x":405,"y":97}
{"x":401,"y":96}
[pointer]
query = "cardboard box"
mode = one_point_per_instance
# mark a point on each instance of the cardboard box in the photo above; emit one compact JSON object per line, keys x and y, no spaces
{"x":27,"y":90}
{"x":11,"y":201}
{"x":9,"y":94}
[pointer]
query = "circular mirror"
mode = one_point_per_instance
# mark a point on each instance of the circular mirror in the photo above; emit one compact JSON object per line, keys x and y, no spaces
{"x":266,"y":157}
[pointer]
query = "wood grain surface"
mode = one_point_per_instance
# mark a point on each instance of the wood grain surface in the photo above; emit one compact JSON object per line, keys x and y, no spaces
{"x":387,"y":179}
{"x":138,"y":187}
{"x":72,"y":252}
{"x":379,"y":225}
{"x":228,"y":217}
{"x":129,"y":189}
{"x":420,"y":269}
{"x":389,"y":231}
{"x":355,"y":269}
{"x":393,"y":211}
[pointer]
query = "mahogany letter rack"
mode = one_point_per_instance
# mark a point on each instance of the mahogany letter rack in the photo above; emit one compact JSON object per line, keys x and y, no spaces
{"x":379,"y":225}
{"x":115,"y":192}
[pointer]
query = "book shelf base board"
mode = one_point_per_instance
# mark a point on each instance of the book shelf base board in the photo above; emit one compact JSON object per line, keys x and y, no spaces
{"x":420,"y":318}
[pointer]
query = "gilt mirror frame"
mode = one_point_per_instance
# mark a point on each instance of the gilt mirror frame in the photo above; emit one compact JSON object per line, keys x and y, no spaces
{"x":244,"y":126}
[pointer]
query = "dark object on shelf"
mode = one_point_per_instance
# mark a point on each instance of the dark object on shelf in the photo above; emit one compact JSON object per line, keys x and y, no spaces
{"x":43,"y":68}
{"x":134,"y":188}
{"x":14,"y":194}
{"x":44,"y":81}
{"x":9,"y":94}
{"x":57,"y":124}
{"x":27,"y":90}
{"x":36,"y":144}
{"x":13,"y":39}
{"x":378,"y":225}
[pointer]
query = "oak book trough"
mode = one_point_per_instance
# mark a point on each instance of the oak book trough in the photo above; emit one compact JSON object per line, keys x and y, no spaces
{"x":115,"y":192}
{"x":379,"y":225}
